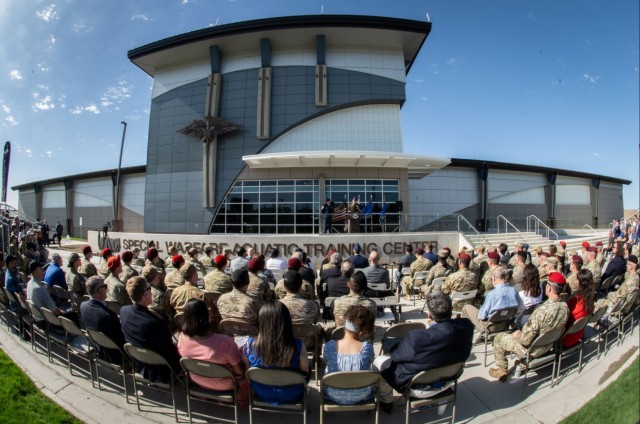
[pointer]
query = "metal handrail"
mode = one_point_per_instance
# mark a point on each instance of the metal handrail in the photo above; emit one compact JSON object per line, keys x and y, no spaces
{"x":538,"y":222}
{"x":477,"y":233}
{"x":506,"y":227}
{"x":591,"y":228}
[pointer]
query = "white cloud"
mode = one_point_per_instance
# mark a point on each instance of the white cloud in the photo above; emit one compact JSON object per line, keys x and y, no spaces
{"x":116,"y":94}
{"x":140,"y":17}
{"x":451,"y":61}
{"x":185,"y":2}
{"x":51,"y":42}
{"x":42,"y":67}
{"x":6,"y":109}
{"x":49,"y":153}
{"x":11,"y":120}
{"x":81,"y":28}
{"x":28,"y":152}
{"x":93,"y":109}
{"x":46,"y":103}
{"x":48,"y":14}
{"x":76,"y":110}
{"x":15,"y":74}
{"x":591,"y":78}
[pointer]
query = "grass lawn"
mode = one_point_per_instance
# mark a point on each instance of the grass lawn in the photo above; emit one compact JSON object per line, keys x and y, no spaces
{"x":22,"y":402}
{"x":619,"y":403}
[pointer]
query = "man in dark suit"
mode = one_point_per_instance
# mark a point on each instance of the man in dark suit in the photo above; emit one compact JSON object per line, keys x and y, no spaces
{"x":405,"y":261}
{"x":447,"y":341}
{"x":144,"y":329}
{"x":97,"y":316}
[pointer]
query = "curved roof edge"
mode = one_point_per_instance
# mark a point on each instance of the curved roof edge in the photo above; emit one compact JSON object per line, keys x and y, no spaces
{"x":284,"y":23}
{"x":533,"y":168}
{"x":139,"y":169}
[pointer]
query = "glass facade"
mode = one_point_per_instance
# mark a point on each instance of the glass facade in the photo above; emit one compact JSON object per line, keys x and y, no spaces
{"x":292,"y":206}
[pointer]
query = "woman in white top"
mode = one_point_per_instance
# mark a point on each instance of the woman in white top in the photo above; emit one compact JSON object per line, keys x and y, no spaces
{"x":531,"y":291}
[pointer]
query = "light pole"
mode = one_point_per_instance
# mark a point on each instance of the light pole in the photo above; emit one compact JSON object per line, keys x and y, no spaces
{"x":117,"y":196}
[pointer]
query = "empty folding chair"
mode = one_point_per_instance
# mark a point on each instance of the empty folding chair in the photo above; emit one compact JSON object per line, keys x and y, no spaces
{"x":102,"y":341}
{"x":564,"y":352}
{"x":77,"y":344}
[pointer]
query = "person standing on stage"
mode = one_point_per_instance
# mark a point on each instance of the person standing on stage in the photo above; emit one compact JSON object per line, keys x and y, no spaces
{"x":327,"y":212}
{"x":353,"y":223}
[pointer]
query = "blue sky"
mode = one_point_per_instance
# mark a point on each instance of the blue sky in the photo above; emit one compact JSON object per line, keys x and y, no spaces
{"x":551,"y":83}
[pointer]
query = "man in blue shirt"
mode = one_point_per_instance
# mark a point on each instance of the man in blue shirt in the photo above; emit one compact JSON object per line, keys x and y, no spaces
{"x":502,"y":296}
{"x":55,"y":275}
{"x":430,"y":254}
{"x":12,"y":281}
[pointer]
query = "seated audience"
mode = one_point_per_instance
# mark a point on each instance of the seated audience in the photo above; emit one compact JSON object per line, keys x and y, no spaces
{"x":38,"y":295}
{"x":127,"y":270}
{"x":581,"y":304}
{"x":97,"y":316}
{"x":87,"y":269}
{"x":628,"y":289}
{"x":75,"y":280}
{"x":237,"y":304}
{"x":160,"y":303}
{"x":189,"y":290}
{"x":144,"y":329}
{"x":198,"y":341}
{"x":217,"y":281}
{"x":354,"y":352}
{"x":259,"y":290}
{"x":616,"y":265}
{"x":374,"y":272}
{"x":103,"y":270}
{"x":275,"y":261}
{"x":461,"y":281}
{"x":306,"y":291}
{"x":174,"y":278}
{"x":240,"y":261}
{"x":357,"y":285}
{"x":117,"y":289}
{"x":275,"y":347}
{"x":54,"y":276}
{"x":530,"y":293}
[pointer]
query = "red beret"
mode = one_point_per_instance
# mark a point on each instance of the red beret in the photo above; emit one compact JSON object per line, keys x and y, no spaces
{"x":557,"y":278}
{"x":152,"y":253}
{"x":126,"y":256}
{"x":221,"y":260}
{"x":598,"y":243}
{"x":563,"y":243}
{"x":593,"y":249}
{"x":113,"y":262}
{"x":176,"y":259}
{"x":106,"y":252}
{"x":419,"y":251}
{"x":494,"y":256}
{"x":294,"y":264}
{"x":253,"y":264}
{"x":577,"y":259}
{"x":586,"y":244}
{"x":464,"y":256}
{"x":86,"y":250}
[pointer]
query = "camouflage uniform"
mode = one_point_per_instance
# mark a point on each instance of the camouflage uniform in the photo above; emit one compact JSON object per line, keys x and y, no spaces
{"x":182,"y":294}
{"x":479,"y":265}
{"x":127,"y":272}
{"x":600,"y":259}
{"x":168,"y":262}
{"x":206,"y":261}
{"x":436,"y":271}
{"x":75,"y":282}
{"x":572,"y":281}
{"x":196,"y":263}
{"x":547,"y":317}
{"x":596,"y":271}
{"x":137,"y":261}
{"x":341,"y":304}
{"x":160,"y":304}
{"x":116,"y":290}
{"x":627,"y":290}
{"x":306,"y":291}
{"x":159,"y":268}
{"x":518,"y":275}
{"x":238,"y":305}
{"x":102,"y":269}
{"x":543,"y":272}
{"x":461,"y":281}
{"x":420,"y":264}
{"x":486,"y":283}
{"x":217,"y":281}
{"x":302,"y":311}
{"x":87,"y":268}
{"x":173,"y":279}
{"x":258,"y":289}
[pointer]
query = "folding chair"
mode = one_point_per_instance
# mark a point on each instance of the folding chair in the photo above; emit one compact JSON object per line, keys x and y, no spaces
{"x":310,"y":332}
{"x":193,"y":367}
{"x":26,"y":320}
{"x":564,"y":352}
{"x":62,"y":295}
{"x":611,"y":323}
{"x":350,"y":380}
{"x":593,"y":332}
{"x":104,"y":342}
{"x":54,"y":332}
{"x":466,"y":295}
{"x":337,"y":333}
{"x":114,"y":306}
{"x":75,"y":300}
{"x":211,"y":297}
{"x":394,"y":335}
{"x":437,"y":282}
{"x":4,"y":305}
{"x":36,"y":329}
{"x":149,"y":357}
{"x":628,"y":312}
{"x":11,"y":313}
{"x":77,"y":344}
{"x":235,"y":327}
{"x":446,"y":376}
{"x":277,"y":378}
{"x":498,"y":322}
{"x":420,"y":275}
{"x":179,"y":320}
{"x":546,"y":359}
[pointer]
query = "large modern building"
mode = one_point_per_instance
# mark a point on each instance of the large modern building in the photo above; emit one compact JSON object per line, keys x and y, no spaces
{"x":288,"y":112}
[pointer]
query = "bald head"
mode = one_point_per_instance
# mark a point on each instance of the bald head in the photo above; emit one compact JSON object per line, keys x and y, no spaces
{"x":374,"y":258}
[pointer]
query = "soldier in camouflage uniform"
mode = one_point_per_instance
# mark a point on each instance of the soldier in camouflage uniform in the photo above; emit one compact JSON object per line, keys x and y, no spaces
{"x":154,"y":261}
{"x":479,"y":263}
{"x":127,"y":270}
{"x":451,"y":260}
{"x":518,"y":248}
{"x":592,"y":265}
{"x":542,"y":266}
{"x":189,"y":290}
{"x":116,"y":289}
{"x":258,"y":289}
{"x":628,"y":289}
{"x":518,"y":267}
{"x":574,"y":266}
{"x":103,"y":270}
{"x":357,"y":286}
{"x":192,"y":259}
{"x":441,"y":269}
{"x":171,"y":252}
{"x":218,"y":281}
{"x":461,"y":281}
{"x":236,"y":304}
{"x":75,"y":281}
{"x":302,"y":311}
{"x":306,"y":291}
{"x":160,"y":303}
{"x":600,"y":255}
{"x":174,"y":279}
{"x":87,"y":269}
{"x":137,"y":260}
{"x":551,"y":315}
{"x":206,"y":258}
{"x":486,"y":282}
{"x":420,"y":264}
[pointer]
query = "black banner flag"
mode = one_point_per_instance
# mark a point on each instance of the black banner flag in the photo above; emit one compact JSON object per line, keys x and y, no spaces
{"x":5,"y":169}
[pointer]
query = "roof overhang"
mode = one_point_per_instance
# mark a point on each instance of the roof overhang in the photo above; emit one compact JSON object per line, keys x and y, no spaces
{"x":283,"y":32}
{"x":416,"y":165}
